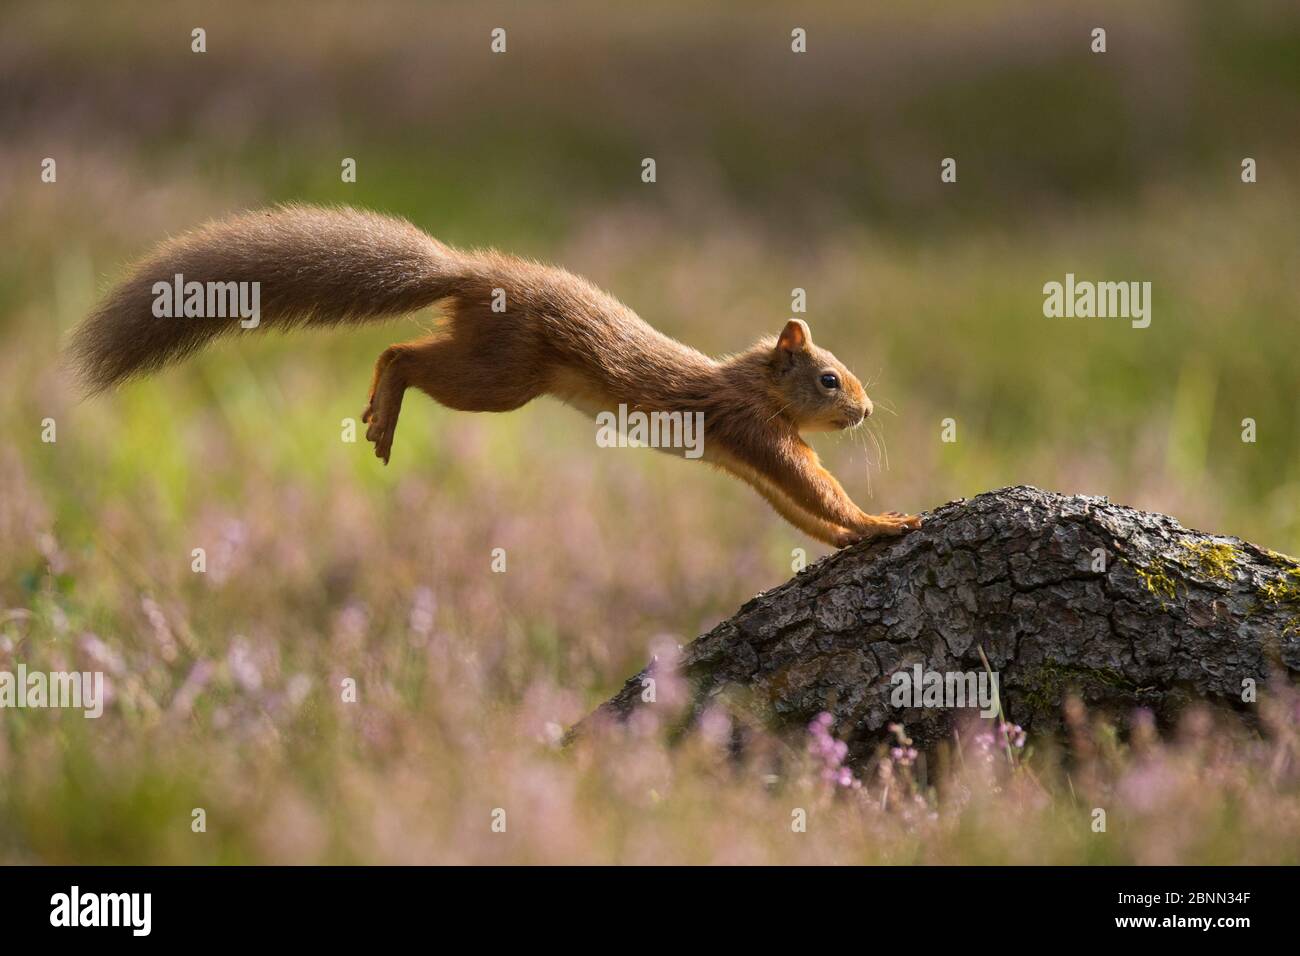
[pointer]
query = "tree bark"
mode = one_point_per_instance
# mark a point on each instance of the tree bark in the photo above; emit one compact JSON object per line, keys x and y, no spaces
{"x":1065,"y":594}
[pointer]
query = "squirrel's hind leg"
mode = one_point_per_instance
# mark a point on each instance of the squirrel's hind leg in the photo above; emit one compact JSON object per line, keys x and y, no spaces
{"x":470,"y":373}
{"x":387,"y":387}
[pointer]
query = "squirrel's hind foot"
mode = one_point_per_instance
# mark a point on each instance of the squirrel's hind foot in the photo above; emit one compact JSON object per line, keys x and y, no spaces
{"x":380,"y":432}
{"x":381,"y":418}
{"x":385,"y":405}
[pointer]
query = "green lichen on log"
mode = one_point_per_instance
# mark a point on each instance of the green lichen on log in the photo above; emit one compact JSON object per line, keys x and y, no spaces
{"x":1214,"y":559}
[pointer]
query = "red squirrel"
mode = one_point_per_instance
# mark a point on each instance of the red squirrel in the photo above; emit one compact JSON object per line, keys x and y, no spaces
{"x":550,"y":333}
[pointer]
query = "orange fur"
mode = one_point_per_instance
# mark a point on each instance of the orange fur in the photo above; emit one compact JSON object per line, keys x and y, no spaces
{"x":558,"y":335}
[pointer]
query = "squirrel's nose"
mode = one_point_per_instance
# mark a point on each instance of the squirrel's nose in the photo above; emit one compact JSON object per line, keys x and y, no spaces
{"x":867,"y":409}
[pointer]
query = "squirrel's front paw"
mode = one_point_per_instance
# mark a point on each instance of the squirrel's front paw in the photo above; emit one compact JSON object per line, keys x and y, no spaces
{"x":903,"y":523}
{"x":844,"y":537}
{"x":891,"y":524}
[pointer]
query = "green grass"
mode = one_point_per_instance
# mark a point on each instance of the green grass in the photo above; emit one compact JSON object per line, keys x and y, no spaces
{"x":322,"y":565}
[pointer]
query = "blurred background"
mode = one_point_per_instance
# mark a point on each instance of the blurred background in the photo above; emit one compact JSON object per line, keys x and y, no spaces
{"x":774,"y":171}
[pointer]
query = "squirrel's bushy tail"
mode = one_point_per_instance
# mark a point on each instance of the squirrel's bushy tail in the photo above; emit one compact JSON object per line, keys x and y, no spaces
{"x":313,"y":266}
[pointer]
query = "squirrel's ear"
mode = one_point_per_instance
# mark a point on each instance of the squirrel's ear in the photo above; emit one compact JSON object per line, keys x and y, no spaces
{"x":795,"y":337}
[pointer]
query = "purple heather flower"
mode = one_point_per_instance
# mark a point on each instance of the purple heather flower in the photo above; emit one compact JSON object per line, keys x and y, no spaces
{"x":830,"y":752}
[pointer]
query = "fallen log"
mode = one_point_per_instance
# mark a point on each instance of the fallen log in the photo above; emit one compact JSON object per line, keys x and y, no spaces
{"x":1063,"y":594}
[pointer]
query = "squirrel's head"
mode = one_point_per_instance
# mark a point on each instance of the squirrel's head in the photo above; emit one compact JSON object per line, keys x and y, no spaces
{"x":818,"y":392}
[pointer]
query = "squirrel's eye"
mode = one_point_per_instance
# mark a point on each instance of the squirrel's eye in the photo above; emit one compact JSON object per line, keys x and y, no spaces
{"x":830,"y":381}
